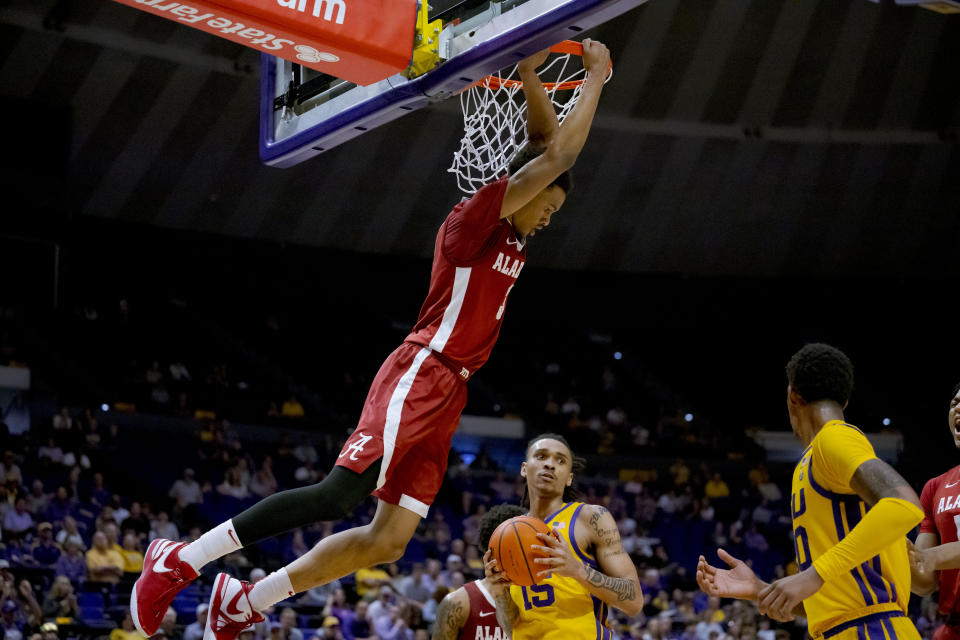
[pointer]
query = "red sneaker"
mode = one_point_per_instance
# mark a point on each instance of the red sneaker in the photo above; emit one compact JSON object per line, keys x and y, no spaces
{"x":230,"y":611}
{"x":164,"y":575}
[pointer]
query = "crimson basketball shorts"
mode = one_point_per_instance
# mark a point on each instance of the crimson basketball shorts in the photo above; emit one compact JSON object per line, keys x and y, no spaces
{"x":412,"y":409}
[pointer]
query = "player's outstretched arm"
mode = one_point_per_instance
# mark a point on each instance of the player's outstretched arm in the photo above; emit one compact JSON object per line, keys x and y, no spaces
{"x":569,"y":139}
{"x":895,"y":511}
{"x":615,"y":582}
{"x":507,"y":611}
{"x":739,"y":581}
{"x":542,"y":122}
{"x":452,"y":614}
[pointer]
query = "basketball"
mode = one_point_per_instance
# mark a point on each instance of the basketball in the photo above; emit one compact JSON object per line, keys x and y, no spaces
{"x":511,"y":544}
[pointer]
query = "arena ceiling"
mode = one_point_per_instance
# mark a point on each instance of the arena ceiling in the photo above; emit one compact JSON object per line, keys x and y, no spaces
{"x":759,"y":137}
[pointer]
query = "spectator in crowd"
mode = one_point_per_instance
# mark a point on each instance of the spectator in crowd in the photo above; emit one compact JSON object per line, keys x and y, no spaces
{"x":50,"y":451}
{"x":104,"y":563}
{"x":338,"y":606}
{"x":161,"y":527}
{"x":716,"y":488}
{"x":61,"y":601}
{"x":431,"y":577}
{"x":18,"y":521}
{"x":370,"y":580}
{"x":11,"y":621}
{"x":413,"y":587}
{"x":45,"y":550}
{"x":291,"y":408}
{"x":63,"y":421}
{"x":186,"y":490}
{"x":361,"y":628}
{"x":112,"y":531}
{"x":37,"y":500}
{"x":127,"y":630}
{"x":769,"y":490}
{"x":120,"y":512}
{"x":70,"y":533}
{"x":232,"y":485}
{"x":288,"y":625}
{"x":330,"y":630}
{"x":429,"y":611}
{"x":60,"y":507}
{"x":71,"y":562}
{"x":20,"y":609}
{"x":132,"y":556}
{"x":137,"y":521}
{"x":296,"y":546}
{"x":319,"y":596}
{"x":386,"y":598}
{"x":100,"y":495}
{"x":9,"y":469}
{"x":169,"y":625}
{"x":263,"y":482}
{"x":454,"y":566}
{"x":48,"y":631}
{"x":394,"y":624}
{"x":194,"y":630}
{"x":75,"y":457}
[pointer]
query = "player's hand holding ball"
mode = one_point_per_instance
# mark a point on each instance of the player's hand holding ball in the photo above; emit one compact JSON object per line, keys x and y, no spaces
{"x":492,"y":570}
{"x":558,"y":559}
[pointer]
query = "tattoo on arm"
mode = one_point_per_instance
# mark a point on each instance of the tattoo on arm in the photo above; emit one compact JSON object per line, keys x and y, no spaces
{"x":607,"y":539}
{"x":623,"y":588}
{"x":450,"y":618}
{"x":875,"y":479}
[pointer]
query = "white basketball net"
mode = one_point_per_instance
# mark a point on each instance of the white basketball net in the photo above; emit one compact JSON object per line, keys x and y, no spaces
{"x":495,"y":121}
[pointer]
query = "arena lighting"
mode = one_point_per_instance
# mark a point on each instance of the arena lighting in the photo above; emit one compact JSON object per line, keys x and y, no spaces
{"x":688,"y":417}
{"x":104,"y":407}
{"x":617,"y":355}
{"x":886,"y":422}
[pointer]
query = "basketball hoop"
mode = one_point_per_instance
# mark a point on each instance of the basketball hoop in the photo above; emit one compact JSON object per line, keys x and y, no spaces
{"x":494,"y":115}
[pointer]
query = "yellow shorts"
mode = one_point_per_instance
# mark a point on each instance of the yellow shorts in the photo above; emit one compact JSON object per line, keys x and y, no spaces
{"x":888,"y":625}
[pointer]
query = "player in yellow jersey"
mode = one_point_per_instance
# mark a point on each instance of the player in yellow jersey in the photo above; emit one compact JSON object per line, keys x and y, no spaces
{"x":587,"y":570}
{"x":851,"y":513}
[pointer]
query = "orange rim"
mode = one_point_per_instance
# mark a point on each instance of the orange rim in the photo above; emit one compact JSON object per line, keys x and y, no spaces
{"x":566,"y":46}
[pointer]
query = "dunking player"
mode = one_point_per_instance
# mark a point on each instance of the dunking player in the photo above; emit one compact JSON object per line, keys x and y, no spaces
{"x":469,"y":613}
{"x":586,"y":571}
{"x":937,"y":553}
{"x":399,"y":449}
{"x":851,"y":514}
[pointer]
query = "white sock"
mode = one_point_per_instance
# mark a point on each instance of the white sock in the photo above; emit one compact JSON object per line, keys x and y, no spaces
{"x":214,"y":544}
{"x":271,"y":590}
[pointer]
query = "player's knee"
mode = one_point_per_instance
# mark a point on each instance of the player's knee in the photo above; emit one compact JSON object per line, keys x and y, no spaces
{"x":342,"y":506}
{"x":385,"y":547}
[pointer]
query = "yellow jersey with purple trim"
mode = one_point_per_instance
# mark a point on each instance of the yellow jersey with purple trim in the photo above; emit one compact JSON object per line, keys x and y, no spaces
{"x":560,"y":608}
{"x":825,"y":509}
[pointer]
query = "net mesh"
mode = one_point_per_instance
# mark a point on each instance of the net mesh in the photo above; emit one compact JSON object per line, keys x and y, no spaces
{"x":495,"y":116}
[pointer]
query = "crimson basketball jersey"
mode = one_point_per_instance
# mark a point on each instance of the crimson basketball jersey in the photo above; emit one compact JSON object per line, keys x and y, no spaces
{"x":940,"y":500}
{"x":482,"y":623}
{"x":476,"y":261}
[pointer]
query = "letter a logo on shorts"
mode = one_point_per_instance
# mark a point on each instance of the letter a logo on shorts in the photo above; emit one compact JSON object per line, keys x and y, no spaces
{"x":356,"y":447}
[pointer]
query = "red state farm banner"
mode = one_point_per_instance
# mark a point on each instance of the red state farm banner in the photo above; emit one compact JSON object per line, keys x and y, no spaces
{"x":362,"y":41}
